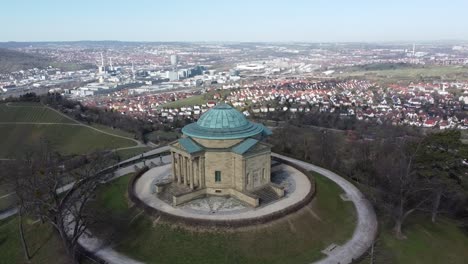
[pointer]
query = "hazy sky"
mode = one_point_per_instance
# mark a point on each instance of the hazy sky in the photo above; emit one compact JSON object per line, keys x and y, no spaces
{"x":233,"y":20}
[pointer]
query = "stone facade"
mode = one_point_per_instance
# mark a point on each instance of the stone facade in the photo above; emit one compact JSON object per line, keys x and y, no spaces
{"x":242,"y":173}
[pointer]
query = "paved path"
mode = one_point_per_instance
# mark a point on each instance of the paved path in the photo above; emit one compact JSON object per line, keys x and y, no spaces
{"x":149,"y":153}
{"x":7,"y":213}
{"x":366,"y":229}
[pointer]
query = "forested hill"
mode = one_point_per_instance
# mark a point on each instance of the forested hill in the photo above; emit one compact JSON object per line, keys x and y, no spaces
{"x":12,"y":60}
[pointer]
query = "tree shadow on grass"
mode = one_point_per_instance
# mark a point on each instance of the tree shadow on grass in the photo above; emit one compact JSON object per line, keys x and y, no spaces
{"x":42,"y":243}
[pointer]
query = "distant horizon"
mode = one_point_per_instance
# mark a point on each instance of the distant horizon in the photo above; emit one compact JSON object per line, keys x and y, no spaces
{"x":234,"y":41}
{"x":270,"y":21}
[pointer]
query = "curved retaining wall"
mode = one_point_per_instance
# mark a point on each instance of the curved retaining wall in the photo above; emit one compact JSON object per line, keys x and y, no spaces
{"x":223,"y":223}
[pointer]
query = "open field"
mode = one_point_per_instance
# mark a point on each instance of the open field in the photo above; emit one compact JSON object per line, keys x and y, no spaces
{"x":416,"y":73}
{"x":44,"y":245}
{"x":298,"y":238}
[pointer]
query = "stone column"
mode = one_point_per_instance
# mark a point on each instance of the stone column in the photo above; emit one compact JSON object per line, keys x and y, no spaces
{"x":191,"y":175}
{"x":197,"y":171}
{"x":244,"y":175}
{"x":202,"y":172}
{"x":182,"y":170}
{"x":233,"y":171}
{"x":185,"y":171}
{"x":174,"y":176}
{"x":179,"y":165}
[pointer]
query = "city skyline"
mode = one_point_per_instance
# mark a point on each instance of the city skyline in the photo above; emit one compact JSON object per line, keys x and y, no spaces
{"x":240,"y":21}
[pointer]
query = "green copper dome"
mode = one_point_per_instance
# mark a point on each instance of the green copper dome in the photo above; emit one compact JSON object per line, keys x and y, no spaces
{"x":223,"y":122}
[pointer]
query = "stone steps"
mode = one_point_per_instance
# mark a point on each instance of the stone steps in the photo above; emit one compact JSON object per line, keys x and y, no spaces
{"x":266,"y":195}
{"x":173,"y":189}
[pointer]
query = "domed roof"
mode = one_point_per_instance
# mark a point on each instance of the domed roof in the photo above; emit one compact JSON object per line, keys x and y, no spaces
{"x":223,"y":122}
{"x":222,"y":116}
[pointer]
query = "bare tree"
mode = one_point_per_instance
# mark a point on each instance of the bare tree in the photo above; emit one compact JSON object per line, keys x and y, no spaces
{"x":399,"y":190}
{"x":439,"y":162}
{"x":41,"y":187}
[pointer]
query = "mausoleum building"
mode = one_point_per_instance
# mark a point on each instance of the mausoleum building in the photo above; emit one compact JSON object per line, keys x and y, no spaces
{"x":222,"y":154}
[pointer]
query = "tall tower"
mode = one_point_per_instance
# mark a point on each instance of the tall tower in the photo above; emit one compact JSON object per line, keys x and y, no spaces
{"x":174,"y":75}
{"x":174,"y":60}
{"x":133,"y":71}
{"x":414,"y":49}
{"x":110,"y":64}
{"x":102,"y":68}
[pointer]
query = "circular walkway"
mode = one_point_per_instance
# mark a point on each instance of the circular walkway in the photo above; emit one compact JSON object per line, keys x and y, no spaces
{"x":361,"y":241}
{"x":366,"y":227}
{"x":145,"y":192}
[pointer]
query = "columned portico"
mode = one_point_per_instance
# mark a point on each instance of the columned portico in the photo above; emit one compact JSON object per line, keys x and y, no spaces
{"x":187,"y":170}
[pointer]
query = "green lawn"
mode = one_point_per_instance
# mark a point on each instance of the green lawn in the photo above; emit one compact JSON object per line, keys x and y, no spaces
{"x":64,"y":138}
{"x":44,"y":245}
{"x":30,"y":112}
{"x":426,"y":243}
{"x":113,"y":196}
{"x":298,"y":238}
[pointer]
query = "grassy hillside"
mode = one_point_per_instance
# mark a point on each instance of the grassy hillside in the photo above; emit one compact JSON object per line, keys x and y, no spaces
{"x":30,"y":112}
{"x":299,"y":238}
{"x":64,"y":134}
{"x":66,"y":139}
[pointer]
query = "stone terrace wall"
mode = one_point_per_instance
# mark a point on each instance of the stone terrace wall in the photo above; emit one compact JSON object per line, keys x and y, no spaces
{"x":223,"y":223}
